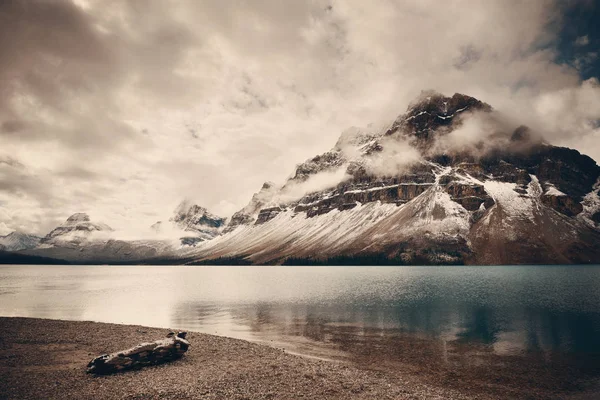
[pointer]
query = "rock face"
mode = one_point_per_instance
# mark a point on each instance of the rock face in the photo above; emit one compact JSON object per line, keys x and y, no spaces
{"x":432,"y":111}
{"x":193,"y":218}
{"x":76,"y":230}
{"x":16,"y":241}
{"x":403,"y":198}
{"x":249,"y":214}
{"x":195,"y":222}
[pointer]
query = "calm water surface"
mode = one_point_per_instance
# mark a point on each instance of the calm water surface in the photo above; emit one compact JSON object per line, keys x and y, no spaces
{"x":318,"y":311}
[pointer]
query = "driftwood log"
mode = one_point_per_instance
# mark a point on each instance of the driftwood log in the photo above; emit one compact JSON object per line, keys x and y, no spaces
{"x":160,"y":351}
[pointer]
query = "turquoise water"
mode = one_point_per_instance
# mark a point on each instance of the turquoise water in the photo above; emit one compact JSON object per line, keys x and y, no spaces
{"x":312,"y":310}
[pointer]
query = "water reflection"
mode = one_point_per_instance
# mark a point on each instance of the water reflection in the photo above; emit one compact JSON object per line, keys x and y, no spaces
{"x":505,"y":331}
{"x":333,"y":312}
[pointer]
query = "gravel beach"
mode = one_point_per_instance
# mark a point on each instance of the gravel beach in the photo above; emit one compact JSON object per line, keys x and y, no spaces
{"x":46,"y":359}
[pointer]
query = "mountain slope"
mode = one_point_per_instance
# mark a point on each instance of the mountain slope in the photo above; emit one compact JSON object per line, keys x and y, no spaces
{"x":77,"y":229}
{"x":194,"y":223}
{"x":425,"y":190}
{"x":15,"y":241}
{"x":79,"y":240}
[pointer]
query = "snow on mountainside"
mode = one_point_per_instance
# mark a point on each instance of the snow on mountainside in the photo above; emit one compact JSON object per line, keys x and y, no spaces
{"x":76,"y":230}
{"x":194,"y":223}
{"x":249,"y":214}
{"x":18,"y":241}
{"x":80,"y":240}
{"x":446,"y":182}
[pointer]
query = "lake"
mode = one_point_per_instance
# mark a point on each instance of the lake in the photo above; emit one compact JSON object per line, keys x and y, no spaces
{"x":379,"y":316}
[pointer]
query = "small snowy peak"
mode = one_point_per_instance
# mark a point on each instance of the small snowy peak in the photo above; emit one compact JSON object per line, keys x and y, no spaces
{"x":16,"y":241}
{"x":76,"y":229}
{"x":77,"y":218}
{"x":191,"y":217}
{"x":190,"y":223}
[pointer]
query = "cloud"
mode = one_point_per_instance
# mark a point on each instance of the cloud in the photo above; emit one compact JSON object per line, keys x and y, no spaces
{"x":121,"y":108}
{"x":570,"y":114}
{"x":581,"y":62}
{"x":4,"y":229}
{"x":476,"y":133}
{"x":582,"y":41}
{"x":294,"y":190}
{"x":394,"y":158}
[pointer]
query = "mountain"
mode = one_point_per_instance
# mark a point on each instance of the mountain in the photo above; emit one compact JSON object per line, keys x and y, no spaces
{"x":15,"y":241}
{"x":447,"y":182}
{"x":106,"y":251}
{"x":450,"y":181}
{"x":249,"y":214}
{"x":76,"y":230}
{"x":79,"y":240}
{"x":195,"y":222}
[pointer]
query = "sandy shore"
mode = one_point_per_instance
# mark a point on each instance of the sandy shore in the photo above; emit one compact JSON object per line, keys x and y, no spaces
{"x":46,"y":359}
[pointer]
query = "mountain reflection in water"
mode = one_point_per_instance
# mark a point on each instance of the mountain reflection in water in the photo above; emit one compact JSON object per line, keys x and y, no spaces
{"x":320,"y":328}
{"x":507,"y":323}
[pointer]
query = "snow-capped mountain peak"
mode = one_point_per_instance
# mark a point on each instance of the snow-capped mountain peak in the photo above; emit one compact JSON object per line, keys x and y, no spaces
{"x":192,"y":217}
{"x":78,"y":228}
{"x":410,"y":195}
{"x":192,"y":223}
{"x":16,"y":241}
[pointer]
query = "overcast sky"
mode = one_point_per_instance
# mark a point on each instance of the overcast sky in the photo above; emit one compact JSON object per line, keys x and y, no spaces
{"x":123,"y":108}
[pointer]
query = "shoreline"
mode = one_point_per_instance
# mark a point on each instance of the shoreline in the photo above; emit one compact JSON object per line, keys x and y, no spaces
{"x":47,"y":358}
{"x":41,"y":358}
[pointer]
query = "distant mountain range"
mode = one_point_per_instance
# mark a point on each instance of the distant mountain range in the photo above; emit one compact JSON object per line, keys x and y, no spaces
{"x":447,"y":182}
{"x":16,"y":241}
{"x":80,"y":240}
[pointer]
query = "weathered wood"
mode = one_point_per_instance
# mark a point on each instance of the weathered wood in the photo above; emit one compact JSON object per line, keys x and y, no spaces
{"x":163,"y":350}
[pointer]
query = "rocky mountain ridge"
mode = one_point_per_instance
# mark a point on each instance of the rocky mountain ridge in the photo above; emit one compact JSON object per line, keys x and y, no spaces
{"x":76,"y":229}
{"x":196,"y":223}
{"x":444,"y":204}
{"x":16,"y":241}
{"x":80,"y":240}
